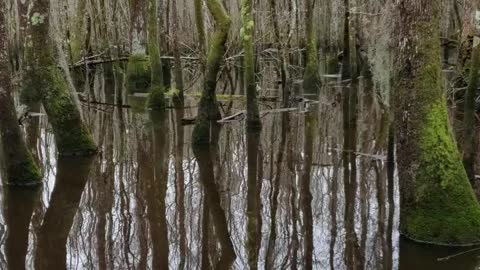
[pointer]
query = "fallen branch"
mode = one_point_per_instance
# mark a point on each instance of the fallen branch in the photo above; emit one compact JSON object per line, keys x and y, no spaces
{"x":233,"y":118}
{"x":105,"y":104}
{"x":125,"y":58}
{"x":457,"y":254}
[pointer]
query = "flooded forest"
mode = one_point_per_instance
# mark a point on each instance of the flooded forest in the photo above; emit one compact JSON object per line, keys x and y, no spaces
{"x":239,"y":134}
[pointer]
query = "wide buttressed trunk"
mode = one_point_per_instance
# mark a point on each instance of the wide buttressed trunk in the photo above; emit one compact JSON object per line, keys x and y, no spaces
{"x":16,"y":162}
{"x":437,"y":203}
{"x":44,"y":80}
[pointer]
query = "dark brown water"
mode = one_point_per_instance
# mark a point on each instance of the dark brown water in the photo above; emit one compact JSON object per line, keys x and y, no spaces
{"x":151,"y":201}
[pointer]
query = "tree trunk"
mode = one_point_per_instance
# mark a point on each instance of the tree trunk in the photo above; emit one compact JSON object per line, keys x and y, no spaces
{"x":247,"y":35}
{"x":310,"y":79}
{"x":179,"y":97}
{"x":17,"y":164}
{"x":44,"y":80}
{"x":156,"y":99}
{"x":437,"y":203}
{"x":201,"y":30}
{"x":346,"y":63}
{"x":208,"y":109}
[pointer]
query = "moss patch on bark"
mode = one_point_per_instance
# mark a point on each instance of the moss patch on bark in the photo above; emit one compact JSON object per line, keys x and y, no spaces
{"x":25,"y":173}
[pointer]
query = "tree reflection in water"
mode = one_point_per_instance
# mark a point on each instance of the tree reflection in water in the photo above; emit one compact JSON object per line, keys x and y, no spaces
{"x":304,"y":192}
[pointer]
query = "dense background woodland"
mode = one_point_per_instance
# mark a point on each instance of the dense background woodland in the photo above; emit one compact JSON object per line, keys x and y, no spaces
{"x":239,"y":134}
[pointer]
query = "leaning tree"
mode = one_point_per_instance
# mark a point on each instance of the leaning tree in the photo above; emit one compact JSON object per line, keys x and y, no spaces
{"x":45,"y":82}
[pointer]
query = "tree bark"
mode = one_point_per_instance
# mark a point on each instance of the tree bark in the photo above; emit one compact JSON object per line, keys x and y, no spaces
{"x":437,"y":203}
{"x":247,"y":34}
{"x":310,"y":79}
{"x":17,"y":164}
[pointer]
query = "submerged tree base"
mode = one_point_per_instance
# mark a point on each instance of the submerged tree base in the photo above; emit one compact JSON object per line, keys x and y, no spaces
{"x":138,"y":73}
{"x":446,"y":211}
{"x":437,"y":203}
{"x":156,"y":98}
{"x":24,"y":174}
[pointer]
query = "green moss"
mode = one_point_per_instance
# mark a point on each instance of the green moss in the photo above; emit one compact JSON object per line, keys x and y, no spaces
{"x":26,"y":173}
{"x":445,"y":210}
{"x":208,"y":108}
{"x":156,"y":99}
{"x":138,"y":73}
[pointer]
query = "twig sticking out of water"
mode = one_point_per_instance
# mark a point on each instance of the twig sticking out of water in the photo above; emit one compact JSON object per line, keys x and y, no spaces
{"x":457,"y":254}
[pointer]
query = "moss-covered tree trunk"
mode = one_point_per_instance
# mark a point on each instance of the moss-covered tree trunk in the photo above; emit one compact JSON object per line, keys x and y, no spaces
{"x":310,"y":78}
{"x":208,"y":108}
{"x":247,"y":35}
{"x":17,"y":164}
{"x":44,"y":81}
{"x":156,"y":99}
{"x":437,"y":203}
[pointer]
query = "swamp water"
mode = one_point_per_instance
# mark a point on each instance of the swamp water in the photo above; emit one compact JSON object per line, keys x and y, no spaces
{"x":150,"y":201}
